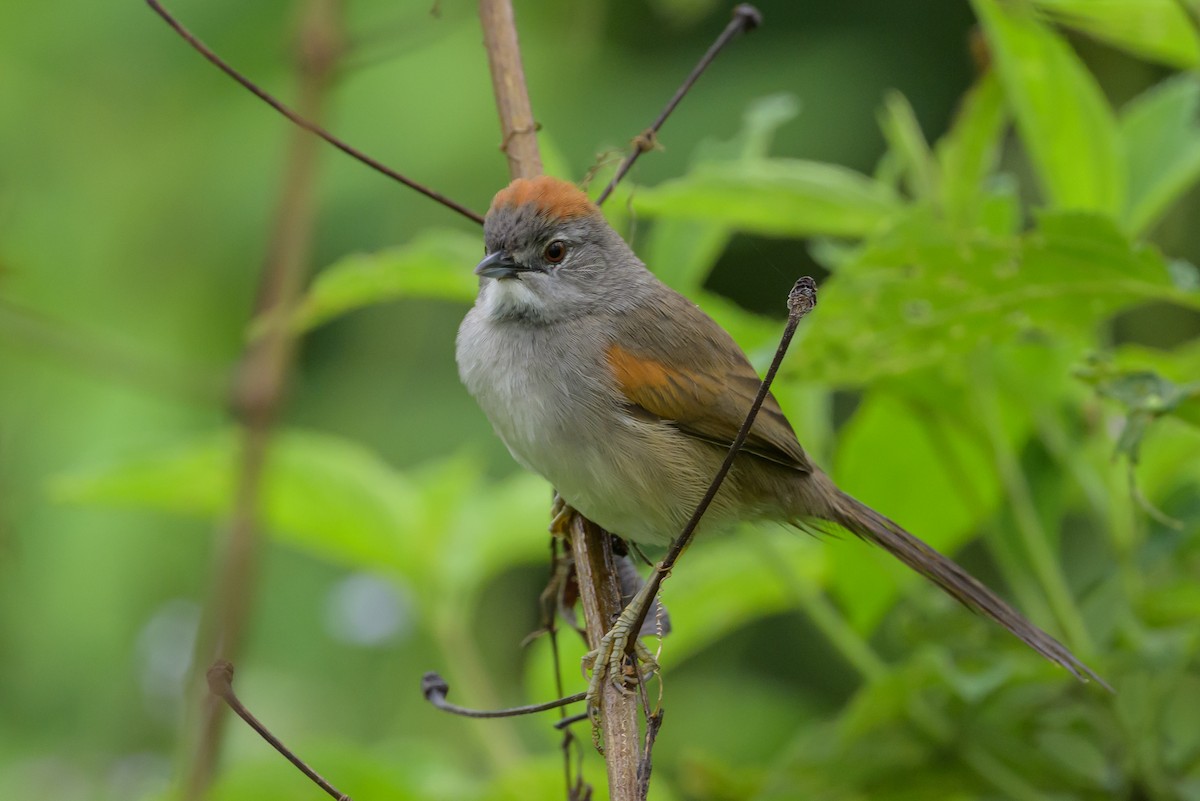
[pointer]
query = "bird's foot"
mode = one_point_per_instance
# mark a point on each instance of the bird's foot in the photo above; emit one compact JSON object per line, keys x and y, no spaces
{"x":561,"y":516}
{"x":608,"y":661}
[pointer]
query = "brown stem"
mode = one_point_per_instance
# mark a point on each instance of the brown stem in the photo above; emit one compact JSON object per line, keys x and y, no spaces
{"x":517,"y":126}
{"x":595,"y":565}
{"x":745,"y":18}
{"x":801,"y":300}
{"x":260,"y":385}
{"x":600,"y":597}
{"x":220,"y":685}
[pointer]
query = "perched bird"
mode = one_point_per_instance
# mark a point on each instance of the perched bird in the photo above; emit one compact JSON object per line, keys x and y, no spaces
{"x":626,"y":396}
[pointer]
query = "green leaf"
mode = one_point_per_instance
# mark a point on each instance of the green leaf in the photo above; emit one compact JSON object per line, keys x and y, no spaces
{"x":969,"y":152}
{"x":922,"y":294}
{"x":487,"y":527}
{"x":907,"y":143}
{"x":1160,"y":133}
{"x":437,"y":264}
{"x":682,"y":252}
{"x":1180,"y":732}
{"x":323,"y":494}
{"x":1160,"y":30}
{"x":1179,"y":367}
{"x":731,"y":581}
{"x":1077,"y":754}
{"x":1064,"y":120}
{"x":775,"y":197}
{"x":1144,"y":396}
{"x":338,"y":501}
{"x":889,"y":436}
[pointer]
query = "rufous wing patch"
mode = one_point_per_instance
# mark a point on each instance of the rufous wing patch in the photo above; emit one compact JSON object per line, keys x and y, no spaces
{"x":647,"y":383}
{"x":552,"y":197}
{"x":705,"y":406}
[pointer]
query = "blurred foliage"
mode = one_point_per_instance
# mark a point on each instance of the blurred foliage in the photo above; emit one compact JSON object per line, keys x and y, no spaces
{"x":1006,"y":357}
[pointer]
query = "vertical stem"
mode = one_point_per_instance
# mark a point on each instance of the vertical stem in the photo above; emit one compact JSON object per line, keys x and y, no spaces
{"x":859,"y":654}
{"x":260,"y":385}
{"x":595,"y":566}
{"x":600,"y":597}
{"x":1032,"y":534}
{"x":498,"y":737}
{"x":508,"y":82}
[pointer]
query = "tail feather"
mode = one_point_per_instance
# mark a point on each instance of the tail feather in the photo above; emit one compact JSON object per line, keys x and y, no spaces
{"x":865,"y":522}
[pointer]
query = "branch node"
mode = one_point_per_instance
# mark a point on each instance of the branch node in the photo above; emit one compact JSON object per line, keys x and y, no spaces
{"x":220,"y":678}
{"x":646,"y":141}
{"x":802,"y":298}
{"x":745,"y":18}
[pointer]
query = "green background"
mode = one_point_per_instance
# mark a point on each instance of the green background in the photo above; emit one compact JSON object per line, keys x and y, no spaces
{"x":950,"y":378}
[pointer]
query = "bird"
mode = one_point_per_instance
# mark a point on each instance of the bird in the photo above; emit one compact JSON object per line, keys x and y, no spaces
{"x":626,"y":396}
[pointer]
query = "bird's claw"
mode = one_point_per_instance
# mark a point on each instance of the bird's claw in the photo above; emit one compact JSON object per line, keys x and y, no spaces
{"x":561,"y":516}
{"x":608,"y":663}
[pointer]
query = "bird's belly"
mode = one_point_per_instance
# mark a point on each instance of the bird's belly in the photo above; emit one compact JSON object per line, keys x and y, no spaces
{"x":629,"y":479}
{"x":638,"y":479}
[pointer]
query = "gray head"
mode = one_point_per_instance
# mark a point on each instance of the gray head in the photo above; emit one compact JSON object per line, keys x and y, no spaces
{"x":552,"y":256}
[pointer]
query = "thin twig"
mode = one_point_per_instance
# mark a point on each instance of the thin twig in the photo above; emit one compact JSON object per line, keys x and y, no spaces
{"x":301,"y":119}
{"x":745,"y":18}
{"x":220,"y":684}
{"x":653,"y":724}
{"x":260,"y":385}
{"x":571,"y":720}
{"x":801,"y":300}
{"x":435,"y":689}
{"x":559,"y":566}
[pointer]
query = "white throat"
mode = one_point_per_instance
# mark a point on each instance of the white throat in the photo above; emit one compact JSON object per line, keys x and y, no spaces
{"x":508,"y":298}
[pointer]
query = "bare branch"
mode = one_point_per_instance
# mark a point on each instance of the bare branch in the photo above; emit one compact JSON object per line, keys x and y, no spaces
{"x":745,"y":18}
{"x":435,"y":689}
{"x":260,"y":385}
{"x":599,"y":586}
{"x":801,"y":300}
{"x":600,"y":597}
{"x":508,"y":82}
{"x":220,"y":684}
{"x":302,"y":119}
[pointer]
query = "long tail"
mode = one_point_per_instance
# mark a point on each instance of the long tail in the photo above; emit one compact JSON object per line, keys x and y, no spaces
{"x":864,"y":521}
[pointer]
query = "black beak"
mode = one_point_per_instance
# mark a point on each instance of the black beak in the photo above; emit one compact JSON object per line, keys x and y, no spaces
{"x":499,"y":265}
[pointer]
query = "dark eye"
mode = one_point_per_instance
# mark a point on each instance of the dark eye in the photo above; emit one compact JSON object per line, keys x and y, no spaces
{"x":555,"y":252}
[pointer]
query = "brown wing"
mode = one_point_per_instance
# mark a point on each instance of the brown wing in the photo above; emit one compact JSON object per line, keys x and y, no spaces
{"x":673,"y":363}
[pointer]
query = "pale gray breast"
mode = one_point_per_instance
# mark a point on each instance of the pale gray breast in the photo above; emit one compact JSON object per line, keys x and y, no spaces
{"x":533,"y":384}
{"x":548,"y":394}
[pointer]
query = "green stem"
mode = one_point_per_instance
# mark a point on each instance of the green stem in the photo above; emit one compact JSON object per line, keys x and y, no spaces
{"x":872,"y":668}
{"x":1012,"y":568}
{"x":1000,"y":775}
{"x":1070,"y":455}
{"x":1110,"y":505}
{"x":498,"y":736}
{"x":1032,"y":534}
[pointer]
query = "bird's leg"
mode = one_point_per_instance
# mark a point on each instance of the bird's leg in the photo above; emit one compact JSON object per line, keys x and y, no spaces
{"x":561,"y":516}
{"x":607,"y":661}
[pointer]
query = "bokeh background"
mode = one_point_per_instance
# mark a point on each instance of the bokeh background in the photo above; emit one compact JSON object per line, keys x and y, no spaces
{"x":137,"y":188}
